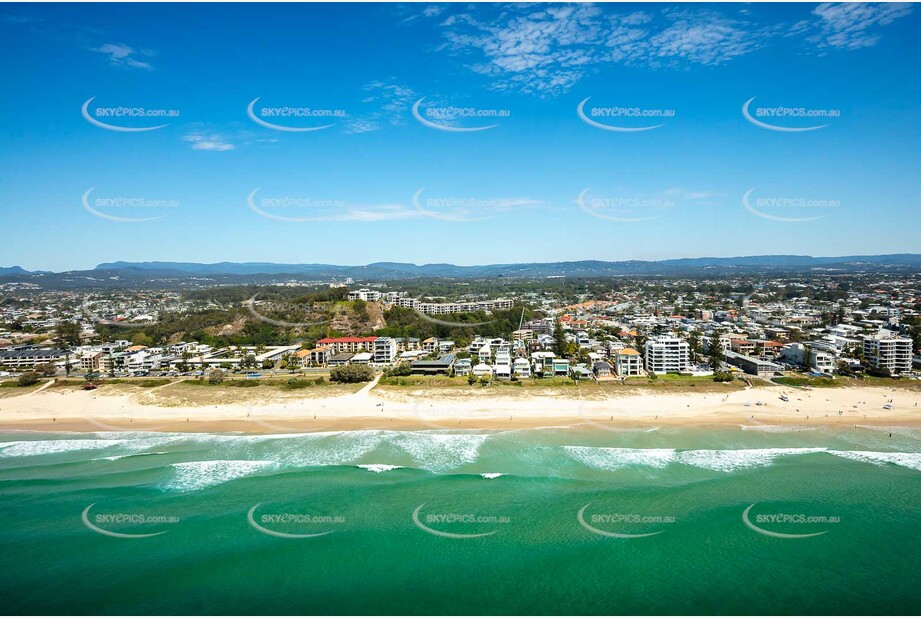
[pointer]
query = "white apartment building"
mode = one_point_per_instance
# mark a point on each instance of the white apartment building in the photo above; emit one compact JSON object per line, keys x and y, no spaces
{"x":385,"y":350}
{"x":628,"y":362}
{"x":889,"y":351}
{"x":667,"y":354}
{"x":446,"y":308}
{"x":365,"y":294}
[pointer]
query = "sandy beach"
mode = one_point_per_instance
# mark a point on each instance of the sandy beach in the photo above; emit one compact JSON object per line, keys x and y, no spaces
{"x":372,"y":407}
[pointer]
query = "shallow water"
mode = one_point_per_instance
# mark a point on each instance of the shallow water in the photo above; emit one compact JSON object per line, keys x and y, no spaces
{"x":549,"y":521}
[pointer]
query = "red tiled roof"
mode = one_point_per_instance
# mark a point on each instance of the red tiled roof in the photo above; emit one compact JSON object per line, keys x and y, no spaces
{"x":346,"y":340}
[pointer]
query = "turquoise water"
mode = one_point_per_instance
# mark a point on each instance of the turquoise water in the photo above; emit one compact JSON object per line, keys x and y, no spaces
{"x":446,"y":534}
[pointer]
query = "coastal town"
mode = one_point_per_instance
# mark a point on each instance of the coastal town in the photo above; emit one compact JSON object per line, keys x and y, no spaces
{"x":768,"y":328}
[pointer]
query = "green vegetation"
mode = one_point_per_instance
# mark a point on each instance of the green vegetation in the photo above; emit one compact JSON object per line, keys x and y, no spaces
{"x":807,"y":381}
{"x":350,"y":374}
{"x":28,"y":378}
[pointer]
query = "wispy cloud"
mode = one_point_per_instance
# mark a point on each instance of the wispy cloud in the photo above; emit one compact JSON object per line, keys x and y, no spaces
{"x":432,"y":10}
{"x":208,"y":141}
{"x":389,"y":104}
{"x":853,"y":26}
{"x":382,"y":212}
{"x":547,"y":49}
{"x":123,"y":55}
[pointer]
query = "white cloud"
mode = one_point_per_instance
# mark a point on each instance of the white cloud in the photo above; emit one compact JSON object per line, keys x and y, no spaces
{"x":547,"y":49}
{"x":852,"y":26}
{"x":391,"y":103}
{"x":208,"y":141}
{"x":123,"y":55}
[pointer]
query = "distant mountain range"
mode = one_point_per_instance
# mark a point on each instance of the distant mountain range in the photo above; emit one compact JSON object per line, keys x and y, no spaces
{"x":121,"y":273}
{"x":585,"y":268}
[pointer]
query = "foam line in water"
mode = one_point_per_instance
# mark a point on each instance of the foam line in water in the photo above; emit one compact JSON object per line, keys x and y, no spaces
{"x":378,"y":468}
{"x":438,"y":452}
{"x":740,"y":459}
{"x":605,"y":458}
{"x":194,"y":475}
{"x":906,"y":460}
{"x":27,"y":448}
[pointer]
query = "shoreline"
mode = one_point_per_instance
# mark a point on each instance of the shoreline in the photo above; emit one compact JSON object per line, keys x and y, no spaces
{"x":426,"y":409}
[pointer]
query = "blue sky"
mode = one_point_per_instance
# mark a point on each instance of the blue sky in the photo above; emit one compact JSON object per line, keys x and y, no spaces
{"x":382,"y":184}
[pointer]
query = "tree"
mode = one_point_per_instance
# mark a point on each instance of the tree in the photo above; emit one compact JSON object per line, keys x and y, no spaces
{"x":28,"y":378}
{"x":471,"y":379}
{"x":142,"y":338}
{"x":350,"y":374}
{"x":216,"y":376}
{"x":694,"y":344}
{"x":715,"y":350}
{"x":48,"y":369}
{"x":559,"y":339}
{"x":67,"y":333}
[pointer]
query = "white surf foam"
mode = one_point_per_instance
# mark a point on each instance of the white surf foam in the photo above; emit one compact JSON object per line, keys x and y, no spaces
{"x":492,"y":475}
{"x":440,"y":451}
{"x":378,"y":468}
{"x":330,"y":449}
{"x":27,"y":448}
{"x":729,"y":460}
{"x":606,"y":458}
{"x":194,"y":475}
{"x":906,"y":460}
{"x":776,"y":428}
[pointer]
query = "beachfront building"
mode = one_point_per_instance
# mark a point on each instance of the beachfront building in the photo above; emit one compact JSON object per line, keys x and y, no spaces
{"x":602,"y":369}
{"x":385,"y":350}
{"x":628,"y":363}
{"x":667,"y":354}
{"x":342,"y":358}
{"x":522,"y":368}
{"x":30,"y":357}
{"x":753,"y":366}
{"x":348,"y":344}
{"x":89,"y":362}
{"x":482,"y":369}
{"x":888,"y":351}
{"x":362,"y":358}
{"x":444,"y":366}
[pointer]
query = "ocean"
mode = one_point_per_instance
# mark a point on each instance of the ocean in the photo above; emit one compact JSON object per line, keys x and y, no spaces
{"x":558,"y":520}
